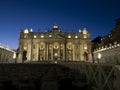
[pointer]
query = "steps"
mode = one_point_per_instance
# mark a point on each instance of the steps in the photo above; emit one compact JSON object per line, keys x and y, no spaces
{"x":36,"y":77}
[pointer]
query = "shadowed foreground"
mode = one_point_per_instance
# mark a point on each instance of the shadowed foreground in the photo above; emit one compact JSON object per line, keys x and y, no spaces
{"x":41,"y":77}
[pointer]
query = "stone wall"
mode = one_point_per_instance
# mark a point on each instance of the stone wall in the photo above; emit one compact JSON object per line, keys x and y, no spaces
{"x":6,"y":54}
{"x":109,"y":54}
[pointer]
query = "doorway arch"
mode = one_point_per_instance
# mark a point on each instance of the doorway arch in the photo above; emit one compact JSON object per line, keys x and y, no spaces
{"x":86,"y":56}
{"x":24,"y":55}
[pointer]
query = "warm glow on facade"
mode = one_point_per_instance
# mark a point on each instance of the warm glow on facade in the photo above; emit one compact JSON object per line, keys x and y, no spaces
{"x":50,"y":35}
{"x":42,"y":36}
{"x":26,"y":31}
{"x":76,"y":36}
{"x":55,"y":26}
{"x":14,"y":55}
{"x":85,"y":36}
{"x":25,"y":47}
{"x":99,"y":55}
{"x":84,"y":31}
{"x":54,"y":45}
{"x":35,"y":36}
{"x":69,"y":36}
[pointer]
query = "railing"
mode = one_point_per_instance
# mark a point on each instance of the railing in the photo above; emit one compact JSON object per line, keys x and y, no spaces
{"x":99,"y":76}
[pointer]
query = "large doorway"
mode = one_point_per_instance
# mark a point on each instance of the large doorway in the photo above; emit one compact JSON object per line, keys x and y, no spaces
{"x":24,"y":55}
{"x":86,"y":56}
{"x":41,"y":51}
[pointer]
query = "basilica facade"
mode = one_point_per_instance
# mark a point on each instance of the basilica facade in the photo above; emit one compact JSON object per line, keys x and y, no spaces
{"x":54,"y":45}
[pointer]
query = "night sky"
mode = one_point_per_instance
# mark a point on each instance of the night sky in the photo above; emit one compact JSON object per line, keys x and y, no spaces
{"x":98,"y":16}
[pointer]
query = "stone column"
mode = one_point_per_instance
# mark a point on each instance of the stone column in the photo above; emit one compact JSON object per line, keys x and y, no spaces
{"x":29,"y":53}
{"x":31,"y":50}
{"x":59,"y":53}
{"x":89,"y":52}
{"x":78,"y":49}
{"x":52,"y":53}
{"x":47,"y":51}
{"x":81,"y":52}
{"x":73,"y":52}
{"x":37,"y":57}
{"x":20,"y":55}
{"x":19,"y":58}
{"x":63,"y":52}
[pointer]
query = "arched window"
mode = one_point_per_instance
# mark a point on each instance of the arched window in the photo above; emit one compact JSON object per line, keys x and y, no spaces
{"x":25,"y":46}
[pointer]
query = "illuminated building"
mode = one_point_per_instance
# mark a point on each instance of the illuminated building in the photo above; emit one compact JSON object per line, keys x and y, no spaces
{"x":54,"y":45}
{"x":6,"y":54}
{"x":109,"y":47}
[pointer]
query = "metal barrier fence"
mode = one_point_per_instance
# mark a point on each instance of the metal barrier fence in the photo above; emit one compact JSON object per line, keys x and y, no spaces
{"x":99,"y":76}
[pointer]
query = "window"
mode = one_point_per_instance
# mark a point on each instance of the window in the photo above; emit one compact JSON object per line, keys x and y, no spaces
{"x":50,"y":35}
{"x":85,"y":46}
{"x":61,"y":46}
{"x":35,"y":36}
{"x":25,"y":46}
{"x":69,"y":46}
{"x":76,"y":36}
{"x":84,"y":36}
{"x":69,"y":36}
{"x":42,"y":36}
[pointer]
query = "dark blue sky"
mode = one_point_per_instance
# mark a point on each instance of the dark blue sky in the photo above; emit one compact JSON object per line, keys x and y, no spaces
{"x":98,"y":16}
